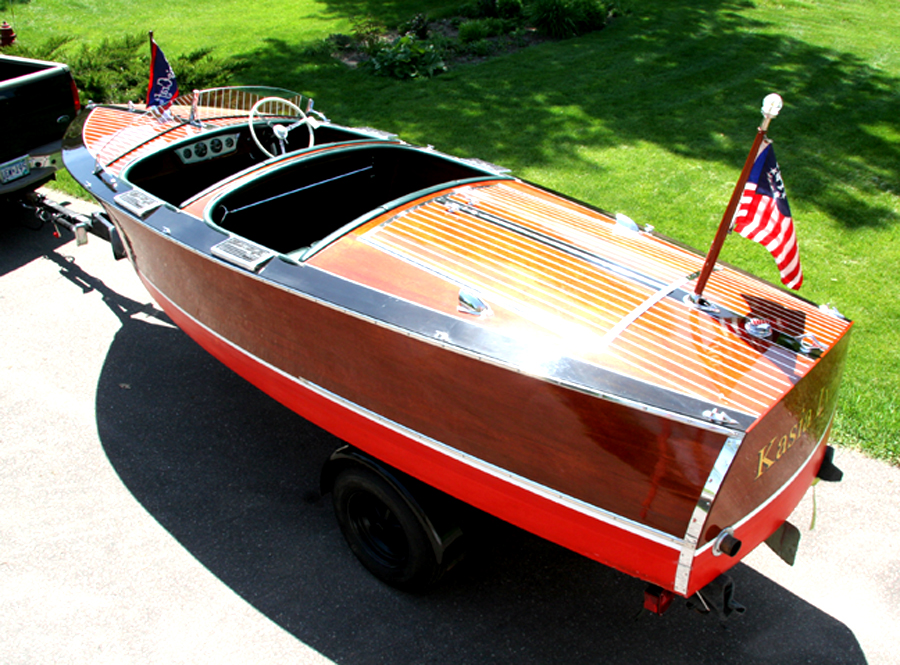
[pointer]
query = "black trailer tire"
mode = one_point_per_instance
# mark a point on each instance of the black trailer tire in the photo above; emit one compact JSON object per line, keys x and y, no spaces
{"x":383,"y":531}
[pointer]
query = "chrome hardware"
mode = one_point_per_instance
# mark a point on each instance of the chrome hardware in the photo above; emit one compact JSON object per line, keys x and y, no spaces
{"x":830,"y":310}
{"x":471,"y":303}
{"x":106,"y":177}
{"x":242,"y":253}
{"x":758,"y":328}
{"x":138,"y":202}
{"x":701,"y":303}
{"x":377,"y":133}
{"x":487,"y":166}
{"x":719,"y":417}
{"x":726,"y":543}
{"x":625,"y":222}
{"x":809,"y":343}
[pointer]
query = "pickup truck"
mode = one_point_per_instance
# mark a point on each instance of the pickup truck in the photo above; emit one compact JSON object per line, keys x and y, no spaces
{"x":38,"y":100}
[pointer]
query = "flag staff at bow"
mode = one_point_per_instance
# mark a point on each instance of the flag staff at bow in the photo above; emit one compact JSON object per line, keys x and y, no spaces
{"x":758,"y":209}
{"x":163,"y":88}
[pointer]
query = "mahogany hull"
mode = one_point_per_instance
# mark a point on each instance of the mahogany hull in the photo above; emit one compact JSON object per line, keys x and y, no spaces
{"x":614,"y":483}
{"x":595,"y":406}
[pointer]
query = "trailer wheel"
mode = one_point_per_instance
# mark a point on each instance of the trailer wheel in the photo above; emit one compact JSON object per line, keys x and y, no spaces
{"x":383,"y":531}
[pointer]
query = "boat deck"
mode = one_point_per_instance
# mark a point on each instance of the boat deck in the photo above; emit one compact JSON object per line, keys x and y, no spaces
{"x":614,"y":297}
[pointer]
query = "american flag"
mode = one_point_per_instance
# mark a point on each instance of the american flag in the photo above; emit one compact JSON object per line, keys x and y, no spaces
{"x":765,"y":217}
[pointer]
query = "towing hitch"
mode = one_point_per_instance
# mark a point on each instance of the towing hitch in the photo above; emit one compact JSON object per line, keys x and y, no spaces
{"x":57,"y":214}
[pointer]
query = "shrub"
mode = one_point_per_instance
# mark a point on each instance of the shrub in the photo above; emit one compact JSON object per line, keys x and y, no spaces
{"x":416,"y":26}
{"x":368,"y":35}
{"x":117,"y":70}
{"x":554,"y":18}
{"x":487,"y":8}
{"x":566,"y":18}
{"x":480,"y":48}
{"x":510,"y":9}
{"x":479,"y":9}
{"x":407,"y":57}
{"x":481,"y":28}
{"x":341,"y":42}
{"x":589,"y":15}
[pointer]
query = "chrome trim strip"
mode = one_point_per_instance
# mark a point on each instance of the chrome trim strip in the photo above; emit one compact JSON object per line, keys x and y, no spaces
{"x":639,"y":311}
{"x":548,"y":493}
{"x":701,"y":511}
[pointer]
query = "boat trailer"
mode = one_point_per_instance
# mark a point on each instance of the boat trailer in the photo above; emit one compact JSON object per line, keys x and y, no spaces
{"x":59,"y":215}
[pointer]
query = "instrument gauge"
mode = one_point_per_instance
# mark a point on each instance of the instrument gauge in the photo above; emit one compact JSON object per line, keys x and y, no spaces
{"x":216,"y":145}
{"x":200,"y":149}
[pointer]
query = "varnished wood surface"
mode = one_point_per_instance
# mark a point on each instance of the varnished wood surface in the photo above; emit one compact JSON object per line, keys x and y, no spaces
{"x":779,"y":443}
{"x":556,"y":274}
{"x":625,"y":461}
{"x":560,"y":294}
{"x":116,"y":137}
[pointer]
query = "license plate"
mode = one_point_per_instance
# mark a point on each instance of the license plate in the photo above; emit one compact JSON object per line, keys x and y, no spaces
{"x":14,"y":169}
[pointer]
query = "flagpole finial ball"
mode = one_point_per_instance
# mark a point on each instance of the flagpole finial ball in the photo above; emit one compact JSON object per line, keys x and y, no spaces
{"x":7,"y":35}
{"x":772,"y":105}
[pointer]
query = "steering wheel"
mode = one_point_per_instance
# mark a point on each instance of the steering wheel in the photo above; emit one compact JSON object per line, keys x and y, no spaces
{"x":280,"y":131}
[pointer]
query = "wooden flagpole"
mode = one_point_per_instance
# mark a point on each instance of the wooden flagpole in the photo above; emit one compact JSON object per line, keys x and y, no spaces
{"x":770,"y":108}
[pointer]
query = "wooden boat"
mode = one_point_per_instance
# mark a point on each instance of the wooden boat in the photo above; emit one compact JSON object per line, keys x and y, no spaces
{"x":525,"y":353}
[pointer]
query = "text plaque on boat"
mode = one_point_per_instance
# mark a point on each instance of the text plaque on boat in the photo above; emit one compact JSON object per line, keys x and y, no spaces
{"x":242,"y":252}
{"x":139,"y":202}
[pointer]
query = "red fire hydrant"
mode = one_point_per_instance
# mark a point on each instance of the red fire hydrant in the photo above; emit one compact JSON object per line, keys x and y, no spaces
{"x":7,"y":35}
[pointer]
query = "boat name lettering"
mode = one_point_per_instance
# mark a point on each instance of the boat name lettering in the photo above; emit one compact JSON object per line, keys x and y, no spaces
{"x":776,"y":448}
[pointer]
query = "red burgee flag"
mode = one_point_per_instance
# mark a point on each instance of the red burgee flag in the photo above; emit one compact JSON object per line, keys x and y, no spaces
{"x":764,"y":216}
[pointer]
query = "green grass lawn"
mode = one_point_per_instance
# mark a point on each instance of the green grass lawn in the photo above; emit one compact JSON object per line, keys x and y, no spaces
{"x":652,"y":117}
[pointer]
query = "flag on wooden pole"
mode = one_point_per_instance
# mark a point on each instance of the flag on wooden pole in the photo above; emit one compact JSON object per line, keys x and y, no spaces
{"x":163,"y":88}
{"x":765,"y":217}
{"x":780,"y":239}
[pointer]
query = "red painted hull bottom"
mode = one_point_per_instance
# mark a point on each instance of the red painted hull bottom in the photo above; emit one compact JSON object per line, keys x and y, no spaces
{"x":606,"y":542}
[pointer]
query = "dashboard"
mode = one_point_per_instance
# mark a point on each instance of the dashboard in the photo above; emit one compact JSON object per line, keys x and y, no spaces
{"x":207,"y":148}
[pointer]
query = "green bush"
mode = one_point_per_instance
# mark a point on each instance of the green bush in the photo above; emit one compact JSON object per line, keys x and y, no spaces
{"x":510,"y":9}
{"x":118,"y":70}
{"x":368,"y":35}
{"x":407,"y":57}
{"x":554,"y":18}
{"x":562,"y":19}
{"x":481,"y":48}
{"x":479,"y":9}
{"x":416,"y":26}
{"x":481,"y":28}
{"x":589,"y":15}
